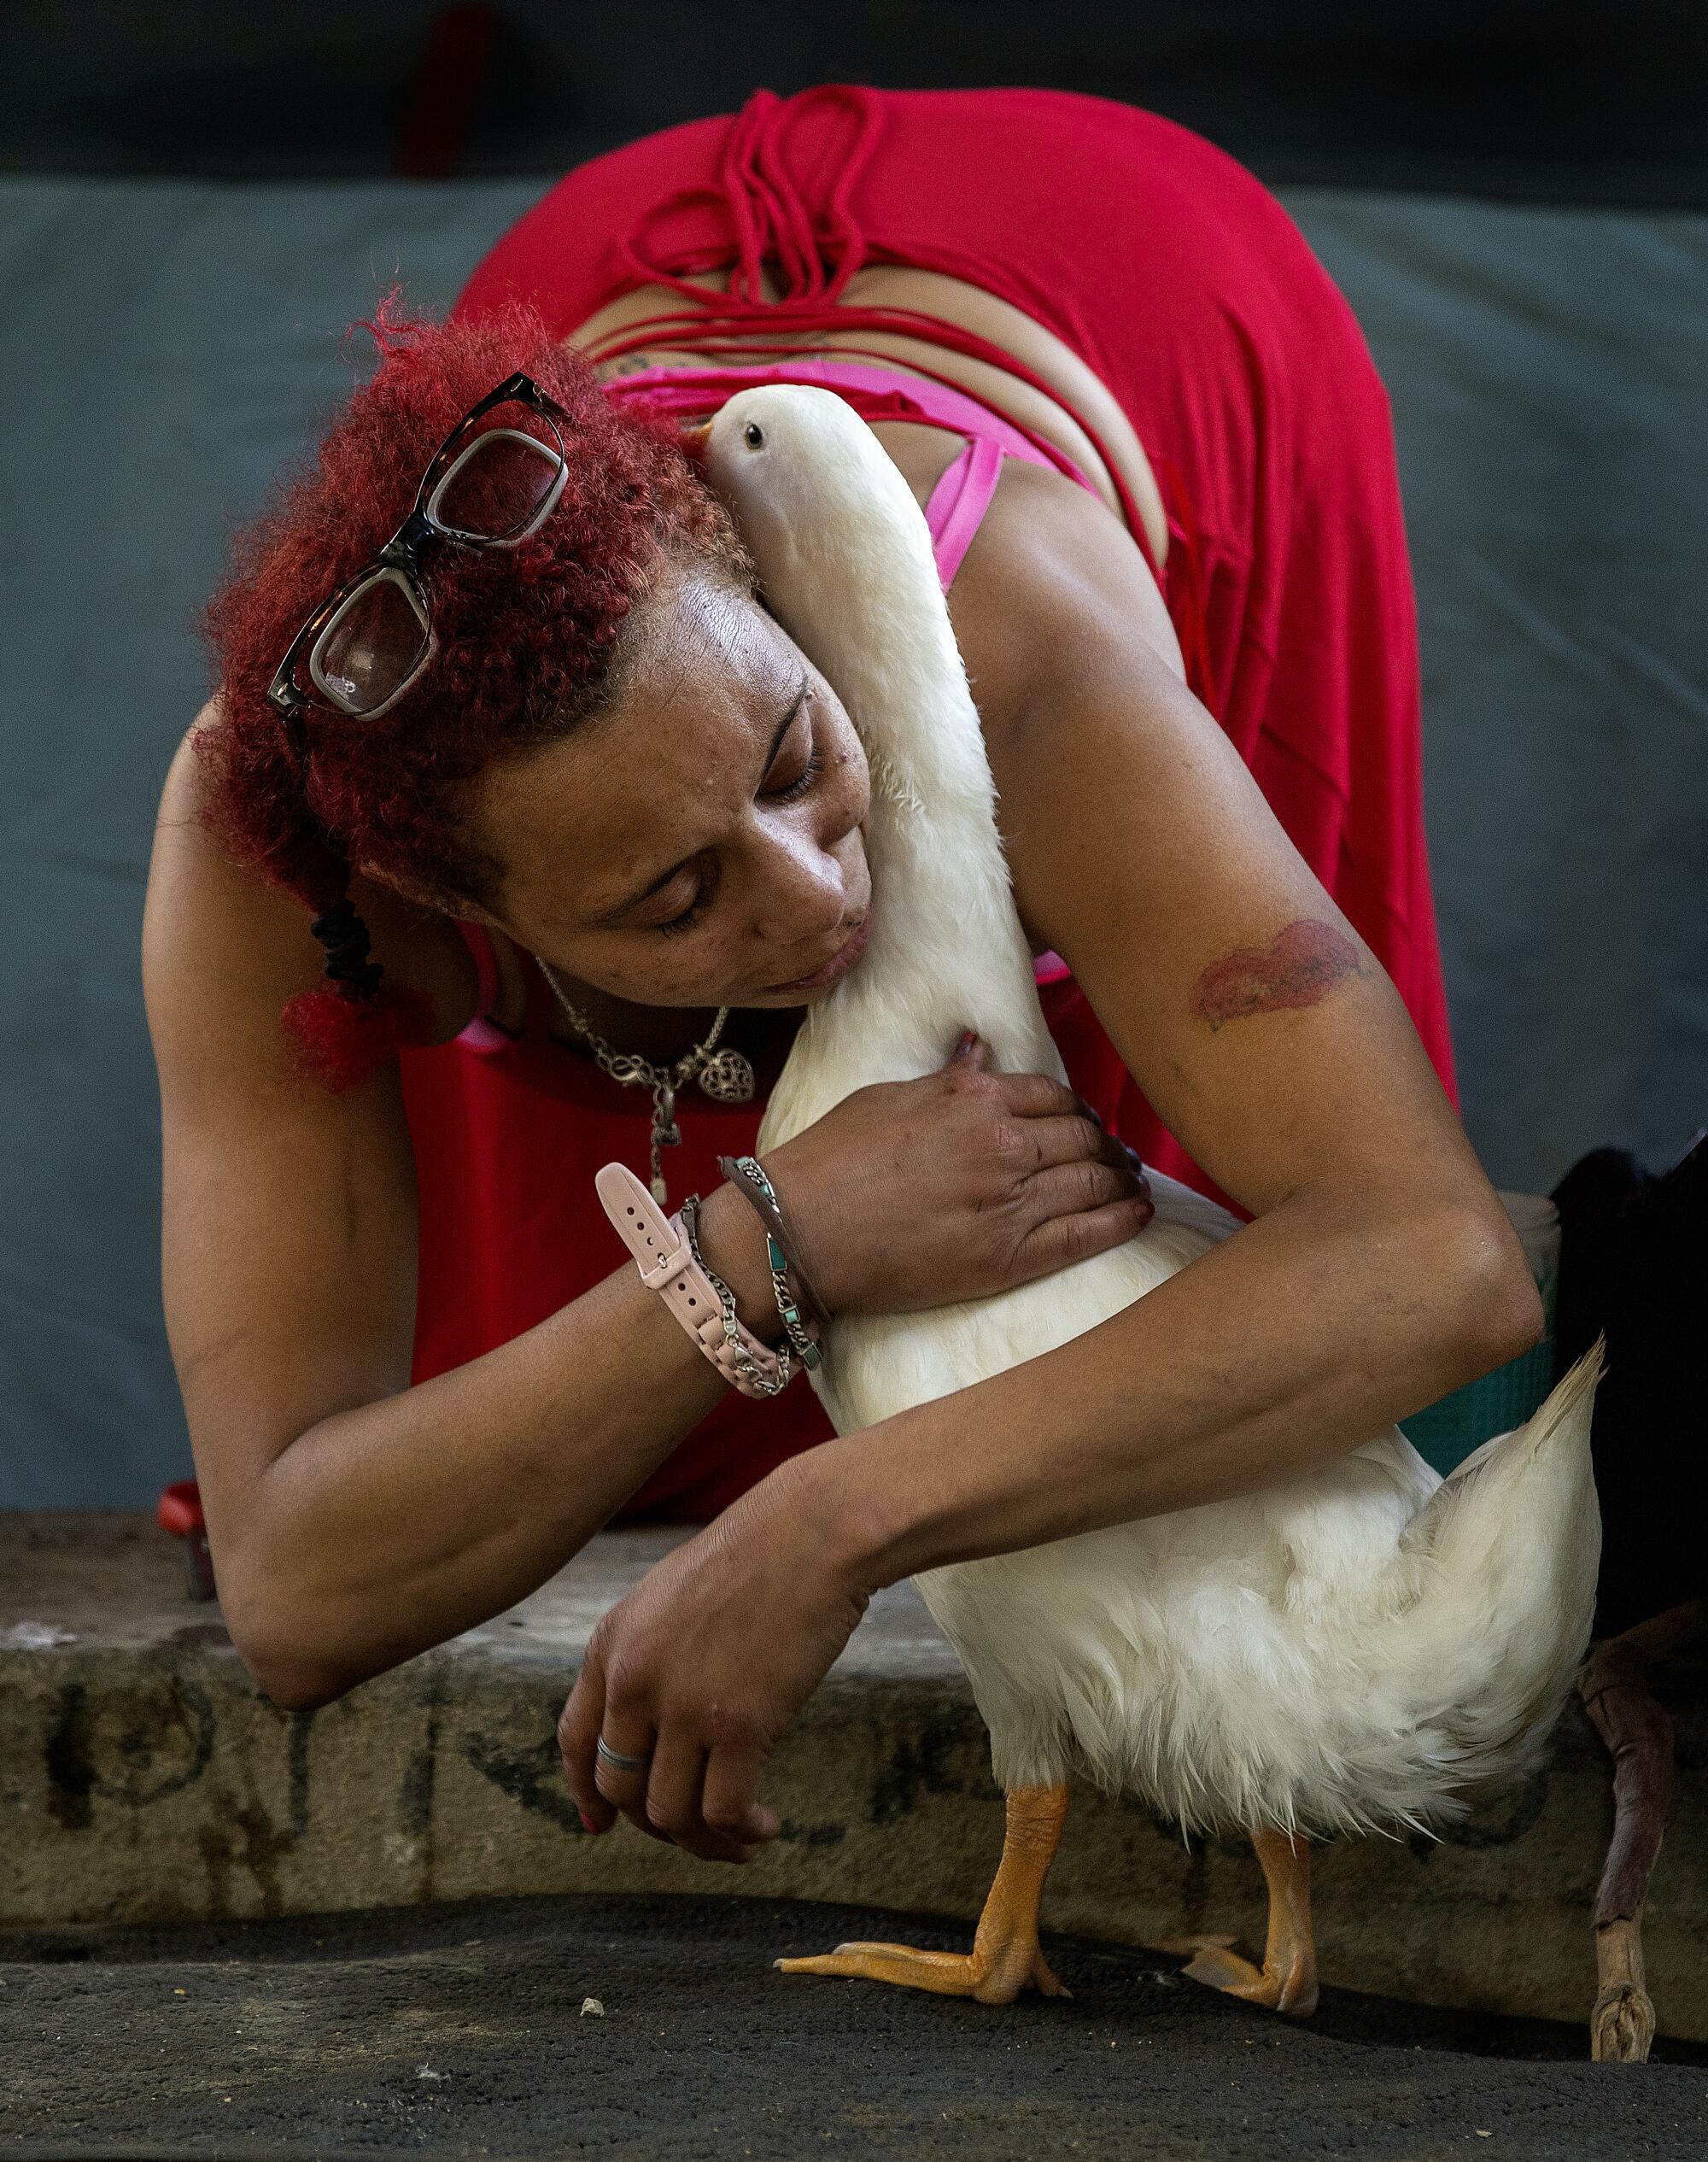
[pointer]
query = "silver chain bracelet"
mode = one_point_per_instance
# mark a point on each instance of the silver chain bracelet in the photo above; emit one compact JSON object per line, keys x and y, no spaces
{"x":788,"y":1364}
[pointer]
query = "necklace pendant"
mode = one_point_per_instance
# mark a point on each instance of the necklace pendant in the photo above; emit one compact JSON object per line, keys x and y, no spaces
{"x":727,"y":1077}
{"x":666,"y":1133}
{"x":724,"y":1076}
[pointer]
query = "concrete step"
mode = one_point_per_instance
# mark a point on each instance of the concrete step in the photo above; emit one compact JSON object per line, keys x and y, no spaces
{"x":143,"y":1779}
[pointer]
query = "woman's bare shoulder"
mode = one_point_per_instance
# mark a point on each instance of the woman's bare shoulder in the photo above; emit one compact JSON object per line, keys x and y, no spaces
{"x":1047,"y":555}
{"x":246,"y":942}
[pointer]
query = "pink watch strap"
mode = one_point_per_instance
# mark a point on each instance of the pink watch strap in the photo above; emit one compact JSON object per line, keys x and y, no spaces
{"x":666,"y":1263}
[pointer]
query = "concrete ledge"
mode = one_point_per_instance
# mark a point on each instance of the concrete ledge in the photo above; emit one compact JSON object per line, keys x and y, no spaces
{"x":141,"y":1779}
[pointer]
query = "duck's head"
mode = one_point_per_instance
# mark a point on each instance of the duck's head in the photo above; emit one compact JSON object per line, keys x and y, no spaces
{"x":844,"y":560}
{"x":831,"y":524}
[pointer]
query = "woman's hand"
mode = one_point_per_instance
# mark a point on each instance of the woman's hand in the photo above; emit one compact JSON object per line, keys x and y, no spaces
{"x":701,"y":1669}
{"x":922,"y":1193}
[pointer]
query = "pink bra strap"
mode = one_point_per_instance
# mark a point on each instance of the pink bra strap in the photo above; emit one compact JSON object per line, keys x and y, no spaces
{"x":959,"y":501}
{"x":478,"y":940}
{"x":482,"y":1034}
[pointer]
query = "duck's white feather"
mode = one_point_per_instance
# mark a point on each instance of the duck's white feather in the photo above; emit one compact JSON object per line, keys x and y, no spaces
{"x":1347,"y":1651}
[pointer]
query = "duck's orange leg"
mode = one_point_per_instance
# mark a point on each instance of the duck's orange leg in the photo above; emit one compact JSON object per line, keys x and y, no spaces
{"x":1005,"y":1957}
{"x":1287,"y":1980}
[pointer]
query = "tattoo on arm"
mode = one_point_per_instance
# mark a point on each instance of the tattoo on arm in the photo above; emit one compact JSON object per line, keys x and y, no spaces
{"x":1299,"y":967}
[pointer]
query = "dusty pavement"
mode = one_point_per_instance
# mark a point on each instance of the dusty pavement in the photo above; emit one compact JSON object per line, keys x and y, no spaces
{"x":459,"y":2031}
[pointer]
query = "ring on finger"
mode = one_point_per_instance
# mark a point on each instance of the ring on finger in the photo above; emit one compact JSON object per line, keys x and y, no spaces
{"x":618,"y":1761}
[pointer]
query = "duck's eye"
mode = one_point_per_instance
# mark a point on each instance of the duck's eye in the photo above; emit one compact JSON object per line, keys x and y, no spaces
{"x":754,"y":435}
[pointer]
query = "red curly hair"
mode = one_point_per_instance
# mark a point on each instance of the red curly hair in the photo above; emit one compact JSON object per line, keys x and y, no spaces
{"x":529,"y":639}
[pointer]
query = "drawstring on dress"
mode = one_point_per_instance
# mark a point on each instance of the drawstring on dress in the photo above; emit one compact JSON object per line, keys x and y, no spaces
{"x":770,"y":221}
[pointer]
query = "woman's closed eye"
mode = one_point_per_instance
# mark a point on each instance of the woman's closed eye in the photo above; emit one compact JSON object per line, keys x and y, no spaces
{"x":798,"y":763}
{"x":689,"y":916}
{"x":788,"y":790}
{"x":793,"y":773}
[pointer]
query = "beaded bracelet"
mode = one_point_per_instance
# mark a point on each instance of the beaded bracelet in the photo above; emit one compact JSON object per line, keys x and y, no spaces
{"x":789,"y":1283}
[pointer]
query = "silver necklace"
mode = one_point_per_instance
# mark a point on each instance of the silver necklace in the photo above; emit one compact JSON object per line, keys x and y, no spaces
{"x":725,"y":1076}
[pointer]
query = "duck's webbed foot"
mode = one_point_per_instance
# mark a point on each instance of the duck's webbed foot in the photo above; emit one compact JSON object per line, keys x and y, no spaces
{"x":993,"y":1979}
{"x":1287,"y":1980}
{"x":1005,"y":1958}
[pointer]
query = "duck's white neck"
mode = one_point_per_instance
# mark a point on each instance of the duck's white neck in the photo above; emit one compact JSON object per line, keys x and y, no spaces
{"x":947,"y":952}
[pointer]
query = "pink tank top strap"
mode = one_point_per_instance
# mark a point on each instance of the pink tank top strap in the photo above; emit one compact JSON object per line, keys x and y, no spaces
{"x":876,"y":393}
{"x":478,"y":940}
{"x":959,"y":501}
{"x":482,"y":1033}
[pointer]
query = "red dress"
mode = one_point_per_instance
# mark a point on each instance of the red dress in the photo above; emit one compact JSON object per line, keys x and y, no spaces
{"x":1183,"y":285}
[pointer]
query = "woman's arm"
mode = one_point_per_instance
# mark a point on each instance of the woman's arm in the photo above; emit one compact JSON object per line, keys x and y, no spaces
{"x":1380,"y":1271}
{"x":356,"y":1520}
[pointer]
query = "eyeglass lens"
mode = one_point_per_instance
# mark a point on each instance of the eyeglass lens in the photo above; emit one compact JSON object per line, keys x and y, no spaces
{"x":371,"y":647}
{"x":503,"y":480}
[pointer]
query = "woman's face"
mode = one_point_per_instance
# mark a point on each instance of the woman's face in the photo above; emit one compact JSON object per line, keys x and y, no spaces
{"x":698,"y":841}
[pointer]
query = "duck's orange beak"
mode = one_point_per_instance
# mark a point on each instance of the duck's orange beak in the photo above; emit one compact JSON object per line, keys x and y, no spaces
{"x":694,"y":442}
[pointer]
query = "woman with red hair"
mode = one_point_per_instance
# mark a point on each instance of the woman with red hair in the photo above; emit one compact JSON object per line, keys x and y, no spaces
{"x":578,"y":828}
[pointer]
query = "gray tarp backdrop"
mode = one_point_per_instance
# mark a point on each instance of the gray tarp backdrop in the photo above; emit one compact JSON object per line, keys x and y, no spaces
{"x":167,"y":348}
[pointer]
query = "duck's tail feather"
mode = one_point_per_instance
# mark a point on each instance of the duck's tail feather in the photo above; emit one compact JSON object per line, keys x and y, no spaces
{"x":1505,"y":1554}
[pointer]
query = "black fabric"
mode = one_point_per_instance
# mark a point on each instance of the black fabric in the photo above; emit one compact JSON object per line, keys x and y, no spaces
{"x":1632,"y":1245}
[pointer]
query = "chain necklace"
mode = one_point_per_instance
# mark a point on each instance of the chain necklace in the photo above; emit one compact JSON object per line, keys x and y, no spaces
{"x":725,"y":1076}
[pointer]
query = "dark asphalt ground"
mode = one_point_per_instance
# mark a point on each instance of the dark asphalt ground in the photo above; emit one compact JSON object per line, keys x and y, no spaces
{"x":458,"y":2031}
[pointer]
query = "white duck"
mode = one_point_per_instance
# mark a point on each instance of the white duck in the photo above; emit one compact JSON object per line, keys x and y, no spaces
{"x":1343,"y":1653}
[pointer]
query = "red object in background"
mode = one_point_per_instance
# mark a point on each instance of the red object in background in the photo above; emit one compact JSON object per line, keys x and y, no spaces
{"x":440,"y":105}
{"x":179,"y":1512}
